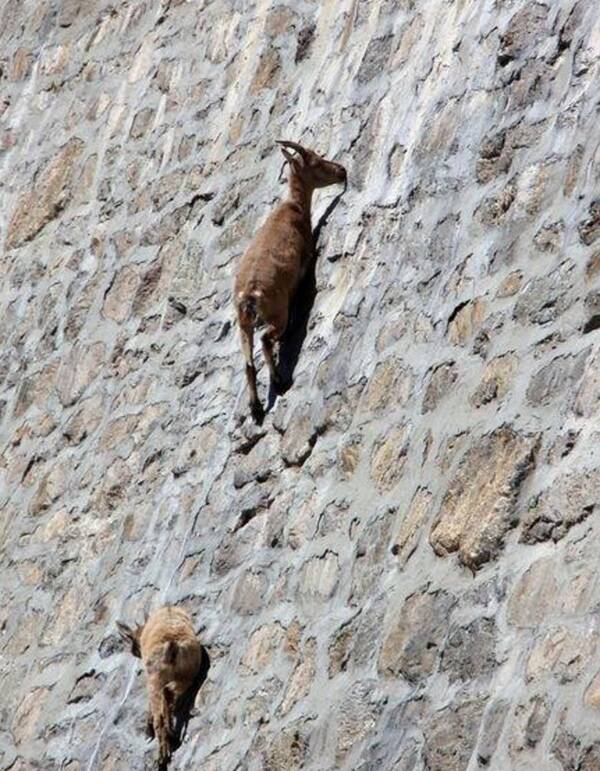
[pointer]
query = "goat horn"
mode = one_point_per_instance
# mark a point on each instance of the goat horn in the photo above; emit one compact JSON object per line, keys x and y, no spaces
{"x":293,"y":145}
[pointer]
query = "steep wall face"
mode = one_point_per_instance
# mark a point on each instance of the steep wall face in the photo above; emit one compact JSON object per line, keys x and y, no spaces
{"x":398,"y":570}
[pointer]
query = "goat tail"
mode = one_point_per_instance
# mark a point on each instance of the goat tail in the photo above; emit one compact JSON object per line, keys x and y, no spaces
{"x":170,"y":653}
{"x":247,"y":306}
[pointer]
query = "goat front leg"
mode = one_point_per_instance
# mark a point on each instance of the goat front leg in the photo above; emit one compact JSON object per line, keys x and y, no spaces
{"x":247,"y":338}
{"x":272,"y":335}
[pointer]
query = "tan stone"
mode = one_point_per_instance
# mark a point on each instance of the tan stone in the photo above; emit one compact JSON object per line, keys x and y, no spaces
{"x":67,"y":612}
{"x":568,"y":500}
{"x":27,"y":716}
{"x":414,"y":634}
{"x":30,"y":573}
{"x":259,"y":706}
{"x":533,"y":185}
{"x":587,"y":401}
{"x":301,"y":521}
{"x":451,"y":733}
{"x":439,"y":385}
{"x":78,"y":370}
{"x":279,"y":20}
{"x":389,"y":457}
{"x":573,"y":169}
{"x":85,"y":421}
{"x":35,"y":390}
{"x":579,"y":592}
{"x":147,"y":293}
{"x":142,"y":122}
{"x":80,"y":298}
{"x":287,"y":749}
{"x":592,"y":269}
{"x":51,"y":488}
{"x":119,"y":298}
{"x":134,"y":428}
{"x":533,"y":599}
{"x":262,"y":647}
{"x":268,"y":67}
{"x":389,"y":386}
{"x":466,"y":321}
{"x":299,"y":438}
{"x":249,"y":593}
{"x":196,"y":448}
{"x":563,"y":652}
{"x":591,"y":697}
{"x":356,"y":715}
{"x":49,"y":195}
{"x":301,"y":679}
{"x":480,"y":504}
{"x":350,"y":456}
{"x":319,"y":576}
{"x":56,"y":525}
{"x":292,"y":638}
{"x":496,"y":380}
{"x":113,"y":488}
{"x":451,"y":449}
{"x":135,"y":393}
{"x":412,"y":524}
{"x":117,"y":432}
{"x":25,"y":635}
{"x":511,"y":284}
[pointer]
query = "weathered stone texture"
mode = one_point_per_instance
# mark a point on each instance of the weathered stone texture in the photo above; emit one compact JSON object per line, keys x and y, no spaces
{"x":445,"y":392}
{"x":48,"y":196}
{"x":413,"y":636}
{"x":480,"y":505}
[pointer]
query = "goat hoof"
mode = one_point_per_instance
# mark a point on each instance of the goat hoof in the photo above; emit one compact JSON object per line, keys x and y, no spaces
{"x":258,"y":413}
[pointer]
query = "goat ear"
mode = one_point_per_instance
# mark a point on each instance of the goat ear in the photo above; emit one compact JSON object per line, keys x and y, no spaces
{"x":295,"y":161}
{"x":287,"y":155}
{"x":131,"y":637}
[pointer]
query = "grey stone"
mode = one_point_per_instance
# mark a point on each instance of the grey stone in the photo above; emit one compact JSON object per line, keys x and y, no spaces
{"x":469,"y":651}
{"x":414,"y":635}
{"x":450,"y":735}
{"x":446,"y":332}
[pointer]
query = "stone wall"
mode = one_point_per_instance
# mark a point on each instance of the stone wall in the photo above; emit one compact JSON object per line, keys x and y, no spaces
{"x":398,"y":570}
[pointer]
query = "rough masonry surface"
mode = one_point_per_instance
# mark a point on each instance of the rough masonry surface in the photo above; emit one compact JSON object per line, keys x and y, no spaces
{"x":398,"y":570}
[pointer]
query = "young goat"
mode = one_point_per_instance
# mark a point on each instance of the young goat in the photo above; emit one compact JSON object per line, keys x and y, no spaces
{"x":172,"y":656}
{"x":276,"y":261}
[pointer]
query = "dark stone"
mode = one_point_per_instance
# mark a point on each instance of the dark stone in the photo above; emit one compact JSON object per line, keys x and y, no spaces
{"x":375,"y":58}
{"x":589,"y":228}
{"x":451,"y":734}
{"x":414,"y":635}
{"x":470,"y":650}
{"x":305,"y":38}
{"x":441,"y":380}
{"x":544,"y":299}
{"x":556,"y":378}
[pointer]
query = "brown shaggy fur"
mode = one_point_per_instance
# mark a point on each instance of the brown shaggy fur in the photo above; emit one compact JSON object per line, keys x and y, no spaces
{"x":172,"y":656}
{"x":276,"y":261}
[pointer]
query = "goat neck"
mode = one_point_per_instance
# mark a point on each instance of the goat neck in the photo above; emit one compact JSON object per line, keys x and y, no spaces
{"x":300,"y":193}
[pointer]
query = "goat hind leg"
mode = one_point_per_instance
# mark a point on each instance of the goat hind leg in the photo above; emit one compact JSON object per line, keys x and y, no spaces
{"x":247,"y":338}
{"x":272,"y":335}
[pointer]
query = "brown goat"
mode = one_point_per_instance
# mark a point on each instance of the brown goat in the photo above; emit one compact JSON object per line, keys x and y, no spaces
{"x":172,"y":657}
{"x":276,"y":260}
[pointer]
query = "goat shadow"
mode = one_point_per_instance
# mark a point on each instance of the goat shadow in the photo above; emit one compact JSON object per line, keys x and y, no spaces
{"x":290,"y":345}
{"x":182,"y":711}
